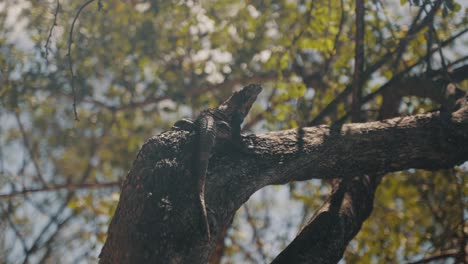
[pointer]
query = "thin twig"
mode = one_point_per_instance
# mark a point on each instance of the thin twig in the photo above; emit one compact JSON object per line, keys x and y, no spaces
{"x":336,"y":43}
{"x":455,"y":62}
{"x":85,"y":175}
{"x":371,"y":69}
{"x":30,"y":150}
{"x":70,"y":62}
{"x":36,"y":244}
{"x":46,"y":46}
{"x":15,"y":230}
{"x":441,"y":53}
{"x":451,"y":253}
{"x":411,"y":34}
{"x":59,"y":226}
{"x":68,"y":186}
{"x":255,"y":235}
{"x":463,"y":235}
{"x":397,"y":77}
{"x":244,"y":250}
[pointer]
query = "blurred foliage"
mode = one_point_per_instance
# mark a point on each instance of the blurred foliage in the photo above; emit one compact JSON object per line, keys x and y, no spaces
{"x":141,"y":65}
{"x":415,"y":213}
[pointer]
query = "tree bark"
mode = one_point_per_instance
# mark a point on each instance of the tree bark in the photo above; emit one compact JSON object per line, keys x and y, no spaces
{"x":324,"y":238}
{"x":157,"y":218}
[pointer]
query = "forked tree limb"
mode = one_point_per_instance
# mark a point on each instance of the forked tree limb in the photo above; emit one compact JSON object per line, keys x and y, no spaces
{"x":157,"y":218}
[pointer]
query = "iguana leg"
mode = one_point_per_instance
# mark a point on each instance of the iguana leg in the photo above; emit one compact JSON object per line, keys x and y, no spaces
{"x":184,"y":124}
{"x":223,"y":130}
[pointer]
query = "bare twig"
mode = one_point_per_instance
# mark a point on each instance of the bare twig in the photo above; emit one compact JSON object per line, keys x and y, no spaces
{"x":455,"y":62}
{"x":46,"y":46}
{"x":397,"y":78}
{"x":433,"y":33}
{"x":85,"y":175}
{"x":255,"y":235}
{"x":462,"y":235}
{"x":59,"y":226}
{"x":336,"y":43}
{"x":413,"y":30}
{"x":30,"y":150}
{"x":67,"y":186}
{"x":371,"y":69}
{"x":15,"y":230}
{"x":70,"y":62}
{"x":444,"y":255}
{"x":244,"y":250}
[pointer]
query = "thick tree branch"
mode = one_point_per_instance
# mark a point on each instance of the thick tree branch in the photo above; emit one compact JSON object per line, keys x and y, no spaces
{"x":422,"y":87}
{"x":325,"y":237}
{"x":158,"y":219}
{"x":429,"y":86}
{"x":358,"y":80}
{"x":428,"y":141}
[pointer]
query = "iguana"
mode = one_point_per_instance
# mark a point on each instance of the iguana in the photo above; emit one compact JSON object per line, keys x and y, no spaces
{"x":214,"y":124}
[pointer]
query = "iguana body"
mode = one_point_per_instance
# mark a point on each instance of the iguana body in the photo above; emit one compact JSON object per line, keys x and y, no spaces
{"x":213,"y":124}
{"x":210,"y":125}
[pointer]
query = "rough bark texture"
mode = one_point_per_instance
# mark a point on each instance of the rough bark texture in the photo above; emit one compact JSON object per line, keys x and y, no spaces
{"x":325,"y":237}
{"x":157,"y":219}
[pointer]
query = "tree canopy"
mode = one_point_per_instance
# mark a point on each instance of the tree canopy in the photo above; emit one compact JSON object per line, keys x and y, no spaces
{"x":83,"y":84}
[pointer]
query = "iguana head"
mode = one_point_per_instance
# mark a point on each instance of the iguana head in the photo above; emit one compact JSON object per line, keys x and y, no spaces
{"x":241,"y":101}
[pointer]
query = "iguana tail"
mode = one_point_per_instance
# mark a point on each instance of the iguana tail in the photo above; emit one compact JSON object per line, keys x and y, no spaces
{"x":206,"y":125}
{"x":205,"y":224}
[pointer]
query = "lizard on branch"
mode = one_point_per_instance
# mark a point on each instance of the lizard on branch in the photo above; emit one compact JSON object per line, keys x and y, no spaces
{"x":214,"y":124}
